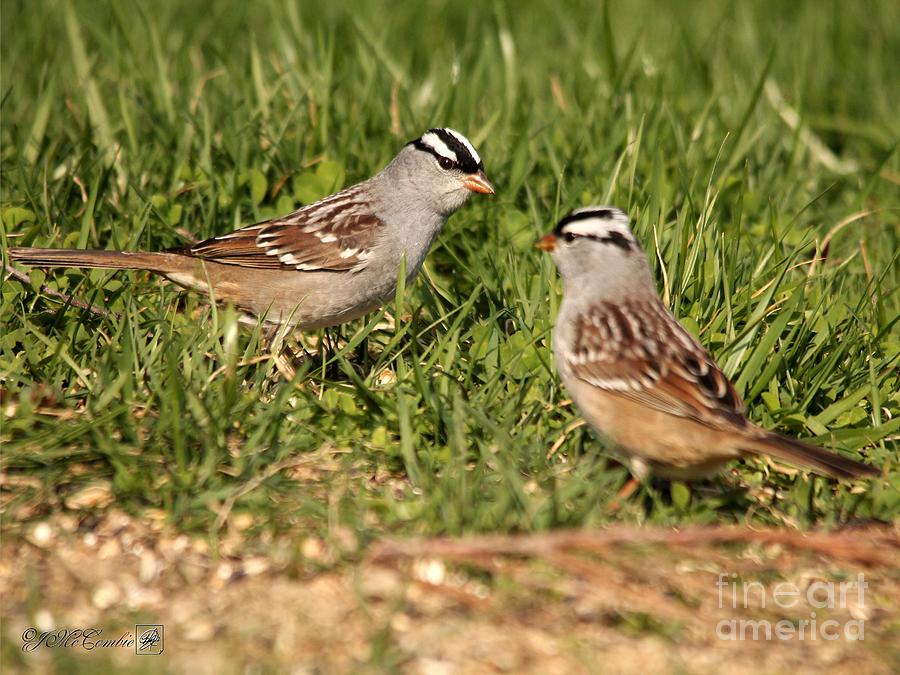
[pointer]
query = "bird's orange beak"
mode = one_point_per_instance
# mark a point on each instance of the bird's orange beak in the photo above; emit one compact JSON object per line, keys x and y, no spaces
{"x":478,"y":182}
{"x":547,"y":243}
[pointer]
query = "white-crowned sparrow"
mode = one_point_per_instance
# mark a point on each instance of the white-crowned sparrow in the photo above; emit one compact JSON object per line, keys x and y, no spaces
{"x":637,"y":376}
{"x":328,"y":262}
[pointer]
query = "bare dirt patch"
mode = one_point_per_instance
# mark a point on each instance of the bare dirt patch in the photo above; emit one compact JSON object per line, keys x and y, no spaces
{"x":615,"y":600}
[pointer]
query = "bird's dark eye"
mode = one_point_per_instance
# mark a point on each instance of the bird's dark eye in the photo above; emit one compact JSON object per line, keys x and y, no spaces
{"x":446,"y":163}
{"x":569,"y":237}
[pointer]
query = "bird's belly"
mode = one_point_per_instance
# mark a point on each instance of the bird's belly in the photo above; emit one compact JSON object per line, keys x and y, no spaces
{"x":665,"y":442}
{"x":306,"y":300}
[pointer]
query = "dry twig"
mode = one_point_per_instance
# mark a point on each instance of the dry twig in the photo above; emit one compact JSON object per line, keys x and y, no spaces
{"x":872,"y":546}
{"x":68,"y":299}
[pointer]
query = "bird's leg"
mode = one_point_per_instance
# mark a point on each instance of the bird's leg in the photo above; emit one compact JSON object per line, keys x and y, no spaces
{"x":285,"y":356}
{"x":330,"y":341}
{"x":624,"y":493}
{"x":639,"y":475}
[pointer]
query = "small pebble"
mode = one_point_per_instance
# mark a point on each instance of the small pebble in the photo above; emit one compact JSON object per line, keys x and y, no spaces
{"x":255,"y":566}
{"x":148,"y":569}
{"x":43,"y":620}
{"x":225,"y":571}
{"x":242,"y":521}
{"x":431,"y":571}
{"x":93,"y":496}
{"x":41,"y":535}
{"x":106,"y":595}
{"x":198,"y":630}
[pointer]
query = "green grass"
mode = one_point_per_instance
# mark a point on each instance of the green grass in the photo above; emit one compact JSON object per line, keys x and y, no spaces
{"x":738,"y":135}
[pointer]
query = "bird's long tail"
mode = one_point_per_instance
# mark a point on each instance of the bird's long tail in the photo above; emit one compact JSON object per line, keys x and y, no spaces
{"x":807,"y":456}
{"x":115,"y":260}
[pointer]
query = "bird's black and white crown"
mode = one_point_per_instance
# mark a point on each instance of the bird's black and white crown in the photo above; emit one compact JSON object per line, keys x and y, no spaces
{"x":452,"y":145}
{"x":607,"y":224}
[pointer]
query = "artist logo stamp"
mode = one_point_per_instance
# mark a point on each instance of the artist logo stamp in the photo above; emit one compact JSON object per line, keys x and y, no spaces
{"x":150,"y":639}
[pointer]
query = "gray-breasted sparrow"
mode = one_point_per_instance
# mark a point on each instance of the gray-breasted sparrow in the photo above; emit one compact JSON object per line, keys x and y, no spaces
{"x":637,"y":376}
{"x":328,"y":262}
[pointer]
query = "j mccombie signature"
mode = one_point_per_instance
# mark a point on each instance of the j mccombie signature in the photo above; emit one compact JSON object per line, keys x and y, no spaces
{"x":72,"y":638}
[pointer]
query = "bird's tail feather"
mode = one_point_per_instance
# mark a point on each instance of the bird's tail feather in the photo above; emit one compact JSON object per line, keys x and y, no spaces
{"x":807,"y":456}
{"x":115,"y":260}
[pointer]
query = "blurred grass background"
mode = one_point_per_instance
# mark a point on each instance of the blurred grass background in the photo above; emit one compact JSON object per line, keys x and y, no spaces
{"x":754,"y":144}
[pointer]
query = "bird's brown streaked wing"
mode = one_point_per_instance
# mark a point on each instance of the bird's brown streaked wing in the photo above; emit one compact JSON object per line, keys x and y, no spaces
{"x":639,"y":351}
{"x":334,"y":234}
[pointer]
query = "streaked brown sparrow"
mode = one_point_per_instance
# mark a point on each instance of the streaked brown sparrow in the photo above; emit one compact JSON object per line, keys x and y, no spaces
{"x":328,"y":262}
{"x":638,"y":377}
